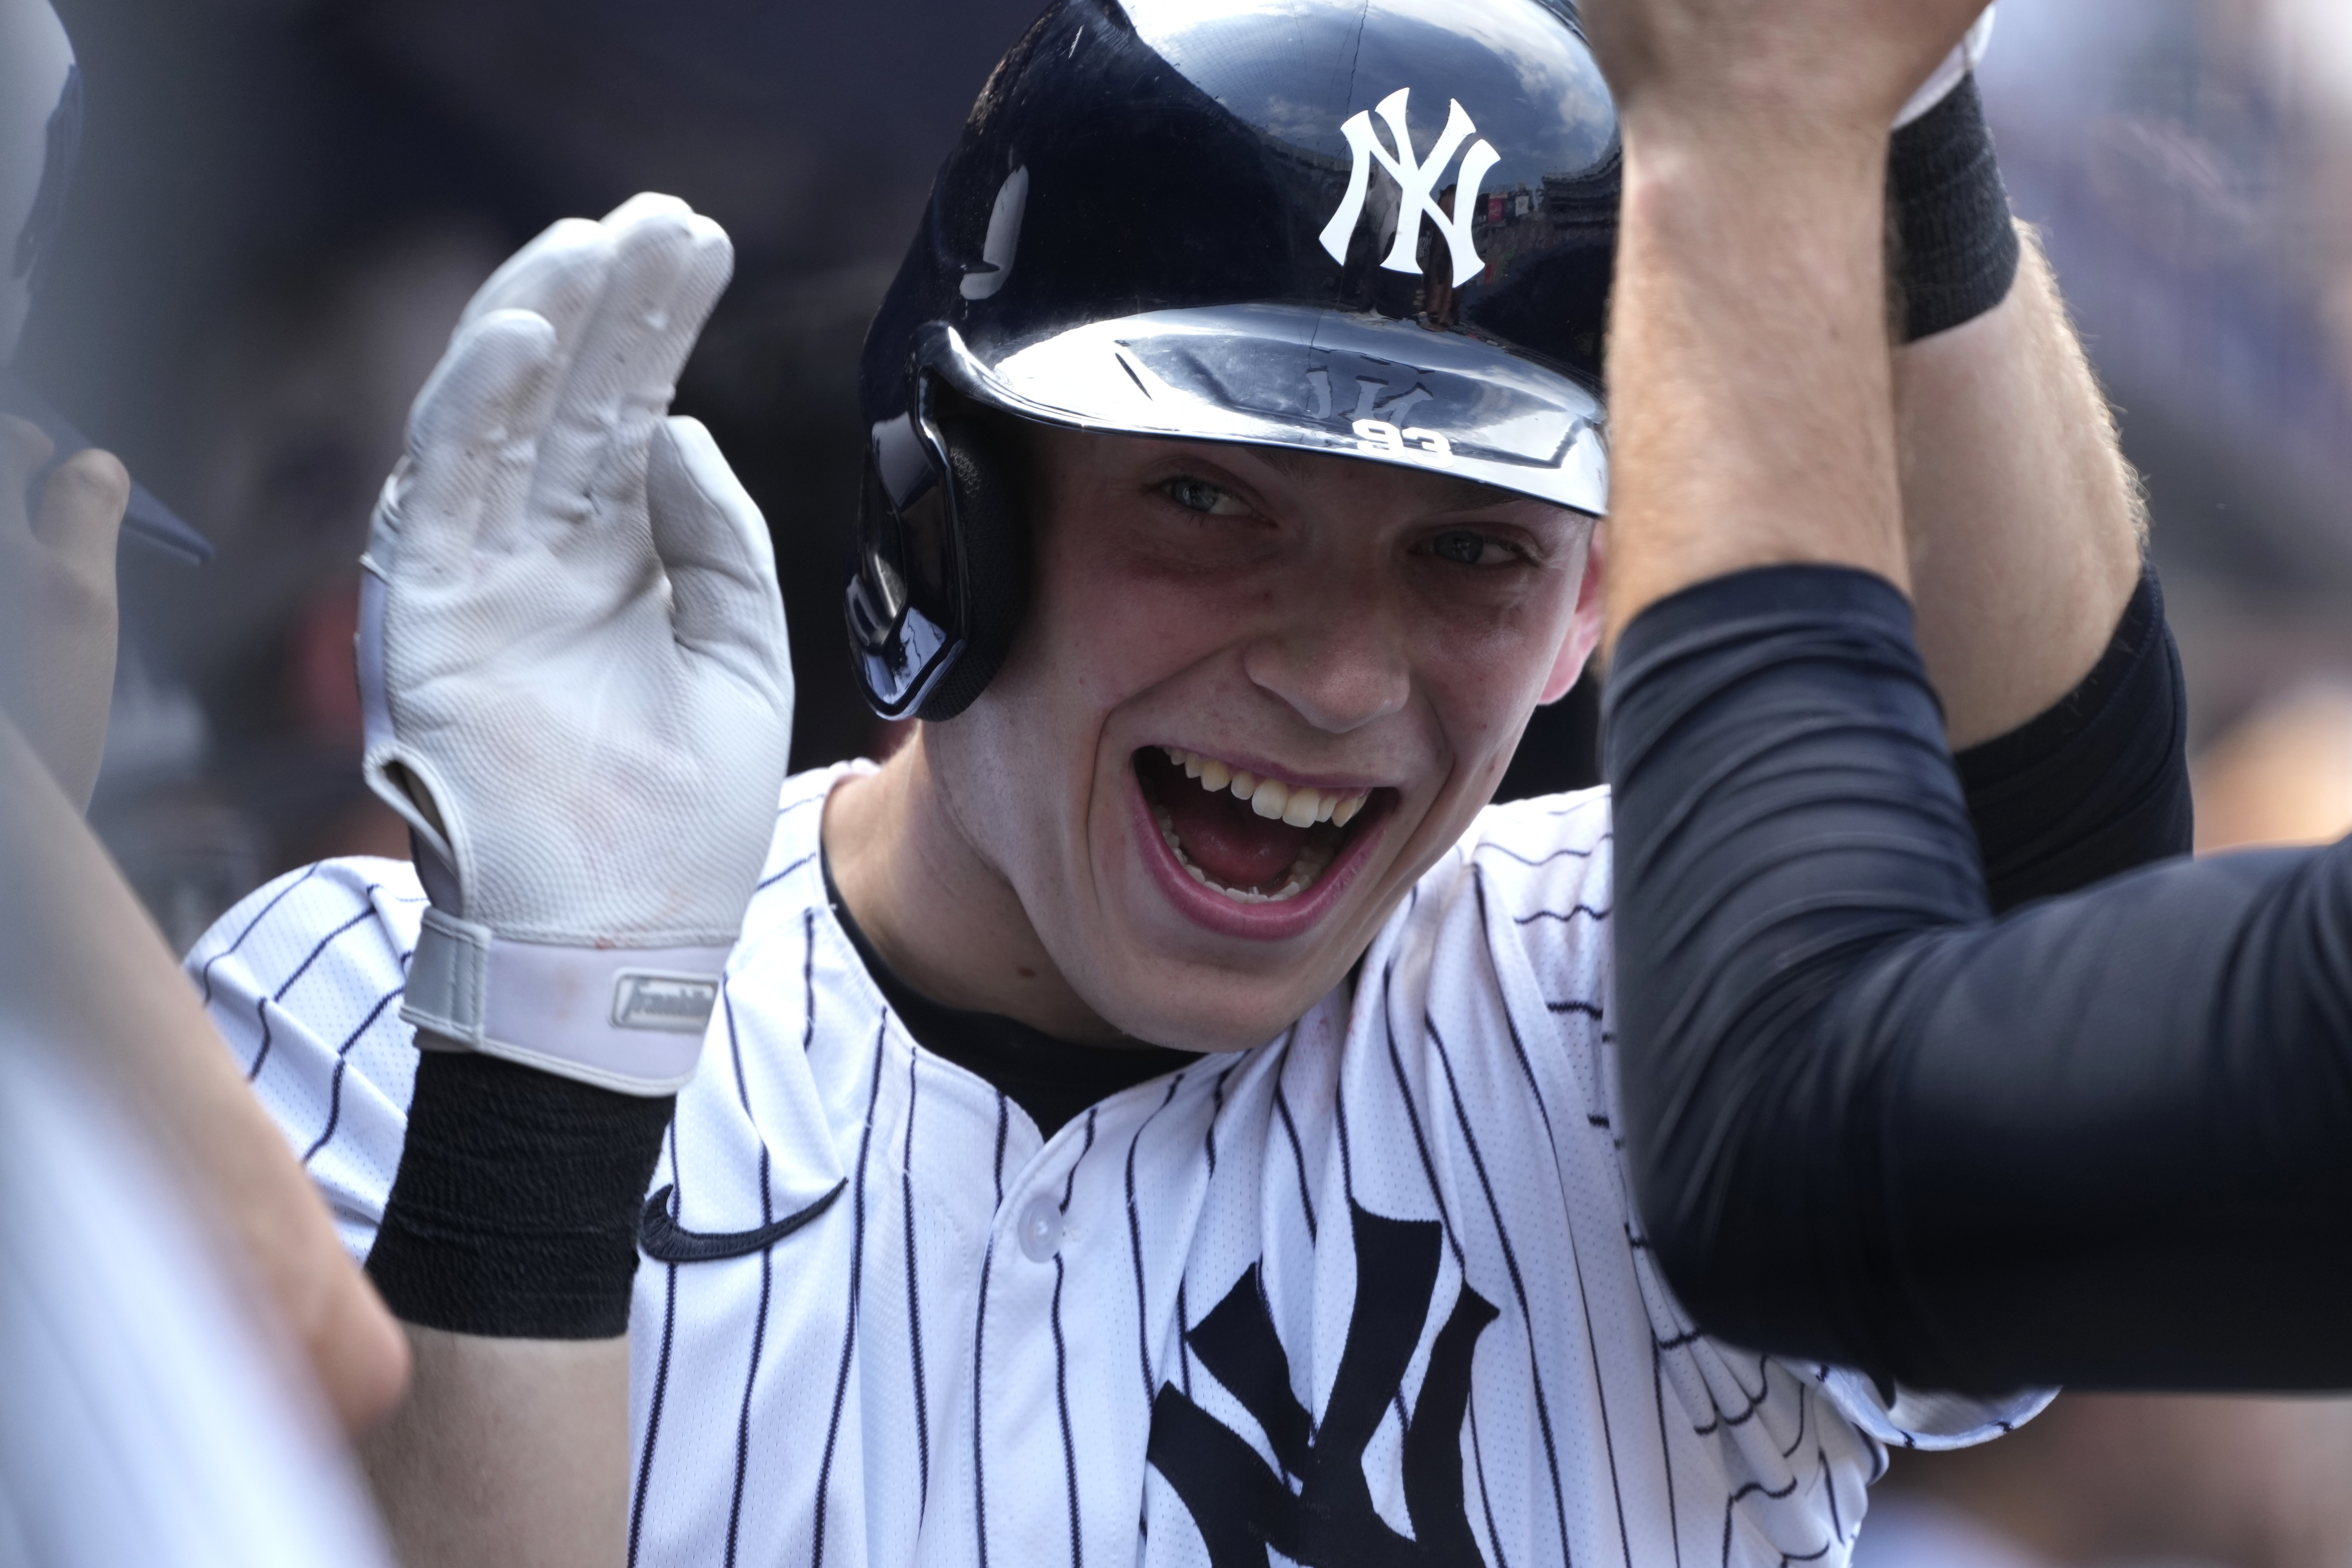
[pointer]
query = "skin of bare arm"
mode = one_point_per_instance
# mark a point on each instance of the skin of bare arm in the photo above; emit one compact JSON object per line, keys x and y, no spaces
{"x":507,"y":1452}
{"x":2021,"y":522}
{"x":93,"y":974}
{"x":1743,"y":436}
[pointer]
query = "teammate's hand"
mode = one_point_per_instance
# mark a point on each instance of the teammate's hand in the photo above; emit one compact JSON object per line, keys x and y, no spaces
{"x":573,"y":661}
{"x":57,"y":602}
{"x":1808,"y":66}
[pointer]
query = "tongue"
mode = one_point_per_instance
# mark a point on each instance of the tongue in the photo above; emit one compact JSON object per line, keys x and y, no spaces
{"x":1223,"y":835}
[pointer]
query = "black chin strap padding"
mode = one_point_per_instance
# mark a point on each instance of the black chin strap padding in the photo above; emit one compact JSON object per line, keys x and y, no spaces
{"x":988,"y":492}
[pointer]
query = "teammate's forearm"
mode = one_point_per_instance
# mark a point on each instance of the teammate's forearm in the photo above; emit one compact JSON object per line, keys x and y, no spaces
{"x":2021,"y":516}
{"x":1749,"y":359}
{"x":85,"y":966}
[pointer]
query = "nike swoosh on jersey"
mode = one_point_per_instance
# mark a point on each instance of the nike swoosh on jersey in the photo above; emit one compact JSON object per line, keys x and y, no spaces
{"x":667,"y":1241}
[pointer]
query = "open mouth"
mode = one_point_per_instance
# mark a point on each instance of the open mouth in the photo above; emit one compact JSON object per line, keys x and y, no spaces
{"x":1256,"y":840}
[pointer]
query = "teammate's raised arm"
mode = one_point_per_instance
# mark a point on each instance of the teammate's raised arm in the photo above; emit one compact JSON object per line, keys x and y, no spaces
{"x":1752,"y":386}
{"x":574,"y":666}
{"x":91,"y":973}
{"x":2099,"y":1141}
{"x":2043,"y":634}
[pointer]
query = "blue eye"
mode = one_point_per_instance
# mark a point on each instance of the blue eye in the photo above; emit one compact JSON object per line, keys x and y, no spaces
{"x":1461,"y":547}
{"x":1199,"y":495}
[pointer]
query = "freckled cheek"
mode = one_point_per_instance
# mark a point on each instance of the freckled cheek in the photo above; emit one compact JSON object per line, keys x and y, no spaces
{"x":1483,"y":684}
{"x":1113,"y":637}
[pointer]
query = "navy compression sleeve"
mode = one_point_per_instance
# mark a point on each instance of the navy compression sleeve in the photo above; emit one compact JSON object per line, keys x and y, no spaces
{"x":2099,"y":783}
{"x":2105,"y":1139}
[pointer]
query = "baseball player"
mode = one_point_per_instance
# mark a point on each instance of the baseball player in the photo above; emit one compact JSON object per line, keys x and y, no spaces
{"x":1163,"y":1114}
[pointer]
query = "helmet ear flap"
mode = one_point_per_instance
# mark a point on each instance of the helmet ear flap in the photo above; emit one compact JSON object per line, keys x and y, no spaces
{"x":985,"y":480}
{"x":939,"y":571}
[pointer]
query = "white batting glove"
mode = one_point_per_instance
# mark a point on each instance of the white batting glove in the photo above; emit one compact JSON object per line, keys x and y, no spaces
{"x":573,"y":663}
{"x":1955,"y":69}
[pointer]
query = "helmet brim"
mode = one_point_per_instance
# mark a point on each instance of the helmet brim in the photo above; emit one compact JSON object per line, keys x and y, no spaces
{"x":1310,"y":380}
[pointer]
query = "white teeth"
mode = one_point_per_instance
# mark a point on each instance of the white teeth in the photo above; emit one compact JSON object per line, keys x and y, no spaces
{"x":1298,"y":805}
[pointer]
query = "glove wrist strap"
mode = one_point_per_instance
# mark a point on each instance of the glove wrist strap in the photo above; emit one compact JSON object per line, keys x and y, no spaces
{"x":626,"y":1019}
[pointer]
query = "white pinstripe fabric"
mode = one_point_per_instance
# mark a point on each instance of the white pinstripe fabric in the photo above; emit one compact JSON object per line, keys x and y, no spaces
{"x":899,"y":1382}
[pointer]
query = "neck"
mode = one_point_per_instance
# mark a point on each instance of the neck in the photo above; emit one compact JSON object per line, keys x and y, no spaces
{"x":937,"y":909}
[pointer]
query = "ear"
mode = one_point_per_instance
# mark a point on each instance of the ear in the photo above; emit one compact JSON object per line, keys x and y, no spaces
{"x":1584,"y":626}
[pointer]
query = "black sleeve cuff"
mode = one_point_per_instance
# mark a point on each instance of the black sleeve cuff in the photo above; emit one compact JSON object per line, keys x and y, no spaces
{"x":2098,"y":784}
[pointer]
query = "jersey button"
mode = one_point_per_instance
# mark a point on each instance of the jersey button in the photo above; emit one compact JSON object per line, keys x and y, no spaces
{"x":1041,"y":1228}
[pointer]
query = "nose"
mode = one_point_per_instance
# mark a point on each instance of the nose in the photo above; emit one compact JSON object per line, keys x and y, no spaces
{"x":1340,"y":661}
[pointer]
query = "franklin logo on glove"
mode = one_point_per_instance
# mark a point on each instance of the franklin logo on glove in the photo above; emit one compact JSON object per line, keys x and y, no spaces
{"x":679,"y":1003}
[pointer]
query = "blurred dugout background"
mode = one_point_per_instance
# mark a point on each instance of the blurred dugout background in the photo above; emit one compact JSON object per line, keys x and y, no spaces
{"x":285,"y":203}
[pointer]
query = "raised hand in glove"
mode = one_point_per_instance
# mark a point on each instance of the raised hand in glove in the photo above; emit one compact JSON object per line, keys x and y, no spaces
{"x":573,"y":663}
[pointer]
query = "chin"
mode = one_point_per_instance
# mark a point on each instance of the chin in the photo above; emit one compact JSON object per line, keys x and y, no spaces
{"x":1188,"y":1008}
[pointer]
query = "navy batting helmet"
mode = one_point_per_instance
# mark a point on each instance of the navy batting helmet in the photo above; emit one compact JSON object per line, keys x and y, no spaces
{"x":1362,"y":227}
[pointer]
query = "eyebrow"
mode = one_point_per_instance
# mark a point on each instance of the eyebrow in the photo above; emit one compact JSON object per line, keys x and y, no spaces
{"x":1289,"y":462}
{"x":1458,"y":494}
{"x":1467,"y":494}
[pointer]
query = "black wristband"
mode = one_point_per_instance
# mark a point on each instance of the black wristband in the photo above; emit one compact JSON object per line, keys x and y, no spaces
{"x":515,"y":1211}
{"x":1955,"y":248}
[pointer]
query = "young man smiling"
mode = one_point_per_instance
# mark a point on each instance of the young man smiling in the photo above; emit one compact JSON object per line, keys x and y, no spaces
{"x":1163,"y":1114}
{"x":1289,"y":628}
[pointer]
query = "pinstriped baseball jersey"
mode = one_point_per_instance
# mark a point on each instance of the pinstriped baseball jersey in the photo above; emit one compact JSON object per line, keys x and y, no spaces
{"x":1369,"y":1293}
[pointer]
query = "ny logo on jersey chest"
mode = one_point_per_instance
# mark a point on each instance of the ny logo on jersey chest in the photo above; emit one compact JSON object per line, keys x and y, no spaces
{"x":1417,"y":183}
{"x":1241,"y":1507}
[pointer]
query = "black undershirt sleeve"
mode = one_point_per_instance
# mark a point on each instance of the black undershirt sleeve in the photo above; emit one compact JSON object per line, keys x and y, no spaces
{"x":2096,"y":785}
{"x":2105,"y":1139}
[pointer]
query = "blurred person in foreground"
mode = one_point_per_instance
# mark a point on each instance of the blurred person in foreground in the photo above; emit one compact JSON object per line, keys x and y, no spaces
{"x":155,"y":1241}
{"x":2101,"y":1140}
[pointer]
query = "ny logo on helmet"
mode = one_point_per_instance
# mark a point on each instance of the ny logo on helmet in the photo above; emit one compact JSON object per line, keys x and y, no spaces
{"x":1416,"y":180}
